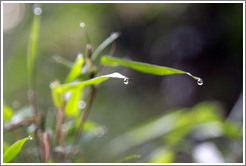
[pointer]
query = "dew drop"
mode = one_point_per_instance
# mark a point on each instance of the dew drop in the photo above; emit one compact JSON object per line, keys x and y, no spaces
{"x":79,"y":55}
{"x":126,"y":81}
{"x":37,"y":11}
{"x":67,"y":95}
{"x":81,"y":104}
{"x":30,"y":137}
{"x":82,"y":24}
{"x":199,"y":81}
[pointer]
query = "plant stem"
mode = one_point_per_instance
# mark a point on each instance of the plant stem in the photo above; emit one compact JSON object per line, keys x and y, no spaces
{"x":25,"y":122}
{"x":60,"y":118}
{"x":32,"y":101}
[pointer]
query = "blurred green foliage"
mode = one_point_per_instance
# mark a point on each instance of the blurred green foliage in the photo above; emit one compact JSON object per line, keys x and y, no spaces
{"x":168,"y":137}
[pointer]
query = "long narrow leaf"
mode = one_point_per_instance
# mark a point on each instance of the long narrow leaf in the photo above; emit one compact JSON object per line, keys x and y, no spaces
{"x":32,"y":49}
{"x":75,"y":71}
{"x":13,"y":150}
{"x":62,"y":61}
{"x":72,"y":107}
{"x":93,"y":81}
{"x":144,"y":67}
{"x":104,"y":44}
{"x":59,"y":90}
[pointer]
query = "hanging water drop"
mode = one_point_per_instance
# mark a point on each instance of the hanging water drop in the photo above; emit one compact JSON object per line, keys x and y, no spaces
{"x":199,"y":81}
{"x":126,"y":81}
{"x":30,"y":137}
{"x":82,"y":24}
{"x":81,"y":104}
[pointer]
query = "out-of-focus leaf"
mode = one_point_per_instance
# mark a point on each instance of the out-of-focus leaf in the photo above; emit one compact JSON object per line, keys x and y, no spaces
{"x":145,"y":132}
{"x":62,"y":61}
{"x":162,"y":155}
{"x":143,"y":67}
{"x":90,"y":125}
{"x":128,"y":158}
{"x":104,"y":44}
{"x":5,"y":146}
{"x":201,"y":113}
{"x":90,"y":129}
{"x":13,"y":150}
{"x":232,"y":130}
{"x":75,"y":71}
{"x":32,"y":48}
{"x":56,"y":94}
{"x":172,"y":127}
{"x":72,"y":108}
{"x":7,"y":112}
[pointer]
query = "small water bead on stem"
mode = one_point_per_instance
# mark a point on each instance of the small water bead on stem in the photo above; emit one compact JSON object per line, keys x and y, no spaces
{"x":126,"y":81}
{"x":199,"y":81}
{"x":82,"y":24}
{"x":81,"y":104}
{"x":30,"y":137}
{"x":37,"y":10}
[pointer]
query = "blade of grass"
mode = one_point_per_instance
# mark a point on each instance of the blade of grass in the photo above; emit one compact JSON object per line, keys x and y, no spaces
{"x":75,"y":71}
{"x":94,"y":81}
{"x":143,"y":67}
{"x":32,"y":49}
{"x":104,"y":44}
{"x":62,"y":61}
{"x":13,"y":150}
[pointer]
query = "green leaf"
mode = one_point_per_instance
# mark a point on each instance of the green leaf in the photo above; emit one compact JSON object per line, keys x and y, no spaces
{"x":76,"y":69}
{"x":62,"y":61}
{"x":201,"y":113}
{"x":104,"y":44}
{"x":32,"y":49}
{"x":58,"y":91}
{"x":56,"y":94}
{"x":143,"y":67}
{"x":97,"y":80}
{"x":72,"y":108}
{"x":13,"y":150}
{"x":7,"y":112}
{"x":172,"y":127}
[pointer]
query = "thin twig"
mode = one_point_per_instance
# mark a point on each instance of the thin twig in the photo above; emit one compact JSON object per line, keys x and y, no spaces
{"x":60,"y":118}
{"x":46,"y":143}
{"x":32,"y":101}
{"x":25,"y":122}
{"x":85,"y":114}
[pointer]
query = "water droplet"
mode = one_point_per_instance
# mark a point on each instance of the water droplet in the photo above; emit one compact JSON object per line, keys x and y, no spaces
{"x":126,"y":81}
{"x":37,"y":11}
{"x":199,"y":81}
{"x":52,"y":85}
{"x":82,"y":24}
{"x":79,"y":55}
{"x":67,"y":95}
{"x":30,"y":137}
{"x":81,"y":104}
